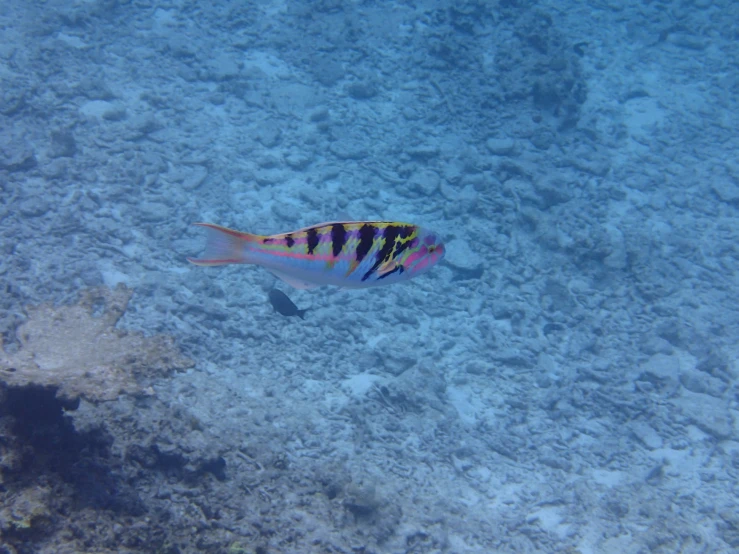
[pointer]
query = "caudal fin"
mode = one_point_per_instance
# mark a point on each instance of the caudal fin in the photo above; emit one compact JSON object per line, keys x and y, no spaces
{"x":223,"y":246}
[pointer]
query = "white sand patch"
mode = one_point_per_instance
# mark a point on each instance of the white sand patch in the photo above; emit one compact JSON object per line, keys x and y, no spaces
{"x":97,"y":109}
{"x":74,"y":42}
{"x":550,"y":519}
{"x":607,"y":477}
{"x":112,"y":276}
{"x":313,"y":388}
{"x":164,"y":20}
{"x":642,"y":114}
{"x":358,"y":385}
{"x":464,"y":403}
{"x":269,"y":64}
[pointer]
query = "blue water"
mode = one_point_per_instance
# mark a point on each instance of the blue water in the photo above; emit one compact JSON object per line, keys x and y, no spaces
{"x":565,"y":381}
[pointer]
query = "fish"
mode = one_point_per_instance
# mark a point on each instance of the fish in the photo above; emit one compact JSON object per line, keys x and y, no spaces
{"x":346,"y":254}
{"x":283,"y":305}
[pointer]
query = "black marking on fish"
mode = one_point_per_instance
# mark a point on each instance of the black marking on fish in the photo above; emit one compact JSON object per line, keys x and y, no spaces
{"x":390,"y":235}
{"x":367,"y":234}
{"x":406,"y":231}
{"x":397,"y":269}
{"x":312,"y":235}
{"x":289,"y":240}
{"x":338,"y":238}
{"x":405,"y":242}
{"x":283,"y":305}
{"x":267,"y":240}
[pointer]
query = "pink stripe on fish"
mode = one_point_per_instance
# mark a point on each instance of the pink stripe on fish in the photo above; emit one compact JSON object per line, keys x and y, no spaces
{"x":415,"y":256}
{"x":300,"y":255}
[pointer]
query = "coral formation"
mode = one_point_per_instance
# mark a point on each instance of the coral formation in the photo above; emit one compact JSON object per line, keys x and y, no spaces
{"x":81,"y":353}
{"x":25,"y":510}
{"x":47,"y":465}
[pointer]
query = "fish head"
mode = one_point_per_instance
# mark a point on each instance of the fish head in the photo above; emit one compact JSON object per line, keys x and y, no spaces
{"x":425,"y":251}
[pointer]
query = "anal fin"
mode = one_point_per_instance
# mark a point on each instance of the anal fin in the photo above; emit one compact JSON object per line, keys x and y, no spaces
{"x":294,"y":281}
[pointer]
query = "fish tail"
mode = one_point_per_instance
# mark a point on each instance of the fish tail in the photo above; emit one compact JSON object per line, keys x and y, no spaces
{"x":301,"y":313}
{"x":224,"y":246}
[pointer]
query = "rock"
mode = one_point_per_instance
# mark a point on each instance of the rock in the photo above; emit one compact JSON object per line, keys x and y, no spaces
{"x":727,"y":191}
{"x":590,"y":161}
{"x":222,"y":68}
{"x":63,"y":144}
{"x":153,"y":211}
{"x":460,"y":256}
{"x":513,"y":357}
{"x":195,"y":177}
{"x":646,"y":434}
{"x":662,"y":367}
{"x":423,"y":151}
{"x":33,"y":207}
{"x":688,"y":41}
{"x":16,"y":153}
{"x":363,"y":90}
{"x":34,"y":199}
{"x":348,"y":149}
{"x":101,"y":109}
{"x":319,"y":114}
{"x":552,"y":192}
{"x":145,"y":124}
{"x":424,"y":183}
{"x":700,"y":382}
{"x":298,"y":160}
{"x":26,"y":510}
{"x":328,"y":72}
{"x":542,"y":139}
{"x":616,"y":258}
{"x":269,"y":134}
{"x":501,"y":147}
{"x":705,"y":412}
{"x":12,"y":96}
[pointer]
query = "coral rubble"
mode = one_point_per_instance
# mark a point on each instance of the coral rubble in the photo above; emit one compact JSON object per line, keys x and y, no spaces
{"x":82,"y":354}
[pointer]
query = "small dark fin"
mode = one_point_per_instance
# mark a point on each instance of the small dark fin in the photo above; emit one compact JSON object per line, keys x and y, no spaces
{"x":301,"y":313}
{"x":224,"y":246}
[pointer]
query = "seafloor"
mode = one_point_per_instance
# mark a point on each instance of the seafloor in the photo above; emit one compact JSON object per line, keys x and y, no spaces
{"x":566,"y":381}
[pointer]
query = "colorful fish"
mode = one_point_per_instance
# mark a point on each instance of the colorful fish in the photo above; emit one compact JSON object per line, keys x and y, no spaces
{"x":353,"y":254}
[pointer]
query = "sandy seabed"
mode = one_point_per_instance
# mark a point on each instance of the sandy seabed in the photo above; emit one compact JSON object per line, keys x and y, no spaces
{"x":566,"y":381}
